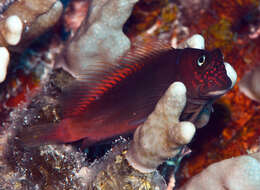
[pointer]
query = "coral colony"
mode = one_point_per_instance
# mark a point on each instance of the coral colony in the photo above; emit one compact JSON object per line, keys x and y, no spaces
{"x":23,"y":21}
{"x":46,"y":63}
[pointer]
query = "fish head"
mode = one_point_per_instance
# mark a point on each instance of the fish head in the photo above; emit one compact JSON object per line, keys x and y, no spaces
{"x":205,"y":74}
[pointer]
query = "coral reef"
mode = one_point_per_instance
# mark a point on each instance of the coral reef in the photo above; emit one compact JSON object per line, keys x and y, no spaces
{"x":99,"y":38}
{"x":146,"y":153}
{"x":232,"y":131}
{"x":47,"y":167}
{"x":114,"y":172}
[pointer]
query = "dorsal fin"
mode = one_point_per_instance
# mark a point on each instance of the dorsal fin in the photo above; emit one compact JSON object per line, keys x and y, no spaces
{"x":101,"y":78}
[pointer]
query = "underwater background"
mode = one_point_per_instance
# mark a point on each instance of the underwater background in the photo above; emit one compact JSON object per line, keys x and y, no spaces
{"x":234,"y":126}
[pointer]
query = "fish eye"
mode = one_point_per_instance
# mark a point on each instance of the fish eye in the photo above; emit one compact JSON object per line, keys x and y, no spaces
{"x":201,"y":60}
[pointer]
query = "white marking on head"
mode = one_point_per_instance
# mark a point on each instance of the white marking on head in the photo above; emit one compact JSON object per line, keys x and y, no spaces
{"x":231,"y":73}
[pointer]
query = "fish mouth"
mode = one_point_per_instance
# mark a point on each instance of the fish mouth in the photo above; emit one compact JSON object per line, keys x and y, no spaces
{"x":232,"y":75}
{"x":218,"y":92}
{"x":197,"y":101}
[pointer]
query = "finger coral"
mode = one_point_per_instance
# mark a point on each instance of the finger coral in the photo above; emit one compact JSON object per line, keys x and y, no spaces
{"x":162,"y":134}
{"x":23,"y":21}
{"x":12,"y":30}
{"x":159,"y":138}
{"x":99,"y":38}
{"x":4,"y":60}
{"x":30,"y":17}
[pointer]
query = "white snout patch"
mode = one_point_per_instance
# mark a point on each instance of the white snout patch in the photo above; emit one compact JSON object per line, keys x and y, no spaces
{"x":218,"y":92}
{"x":231,"y":73}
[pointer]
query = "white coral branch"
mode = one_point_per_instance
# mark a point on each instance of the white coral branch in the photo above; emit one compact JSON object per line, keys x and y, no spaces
{"x":99,"y":38}
{"x":162,"y":134}
{"x":4,"y":61}
{"x":240,"y":173}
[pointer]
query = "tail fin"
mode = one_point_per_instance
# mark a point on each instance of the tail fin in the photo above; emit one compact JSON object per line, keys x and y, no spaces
{"x":39,"y":135}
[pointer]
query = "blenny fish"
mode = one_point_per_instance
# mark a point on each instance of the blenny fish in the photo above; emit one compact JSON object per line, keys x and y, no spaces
{"x":113,"y":100}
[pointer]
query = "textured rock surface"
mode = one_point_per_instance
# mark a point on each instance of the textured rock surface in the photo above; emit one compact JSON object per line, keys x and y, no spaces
{"x":46,"y":167}
{"x":113,"y":172}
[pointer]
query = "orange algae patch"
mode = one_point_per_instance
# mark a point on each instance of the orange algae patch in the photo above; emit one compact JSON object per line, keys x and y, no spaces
{"x":219,"y":35}
{"x":221,"y":23}
{"x":234,"y":140}
{"x":167,"y":17}
{"x":144,"y":16}
{"x":233,"y":9}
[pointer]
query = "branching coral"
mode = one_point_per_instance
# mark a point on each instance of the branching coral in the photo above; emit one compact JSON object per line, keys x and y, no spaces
{"x":23,"y":21}
{"x":30,"y":17}
{"x":159,"y":138}
{"x":4,"y":60}
{"x":162,"y":134}
{"x":12,"y":30}
{"x":99,"y":38}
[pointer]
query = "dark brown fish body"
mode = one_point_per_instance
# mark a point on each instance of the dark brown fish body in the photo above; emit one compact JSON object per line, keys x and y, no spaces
{"x":115,"y":100}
